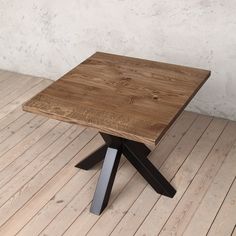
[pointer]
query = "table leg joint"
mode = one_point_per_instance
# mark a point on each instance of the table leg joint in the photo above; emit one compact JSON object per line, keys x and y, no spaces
{"x":136,"y":153}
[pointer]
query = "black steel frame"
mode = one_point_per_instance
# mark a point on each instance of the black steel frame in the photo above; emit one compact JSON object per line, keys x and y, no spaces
{"x":137,"y":154}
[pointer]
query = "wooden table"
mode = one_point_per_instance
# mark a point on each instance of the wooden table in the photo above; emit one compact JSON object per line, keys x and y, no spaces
{"x":132,"y":102}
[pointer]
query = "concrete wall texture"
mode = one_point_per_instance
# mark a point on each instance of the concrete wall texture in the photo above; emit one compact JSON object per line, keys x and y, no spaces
{"x":48,"y":38}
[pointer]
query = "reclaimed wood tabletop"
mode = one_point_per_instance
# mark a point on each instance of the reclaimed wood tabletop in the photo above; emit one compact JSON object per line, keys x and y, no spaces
{"x":128,"y":97}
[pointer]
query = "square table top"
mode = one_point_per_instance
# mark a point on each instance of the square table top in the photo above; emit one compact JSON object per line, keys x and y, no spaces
{"x":128,"y":97}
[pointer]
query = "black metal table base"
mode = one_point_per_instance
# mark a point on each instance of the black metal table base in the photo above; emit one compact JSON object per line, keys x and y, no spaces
{"x":111,"y":152}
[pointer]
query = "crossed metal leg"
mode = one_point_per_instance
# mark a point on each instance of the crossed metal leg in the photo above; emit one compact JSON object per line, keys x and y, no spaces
{"x":111,"y":152}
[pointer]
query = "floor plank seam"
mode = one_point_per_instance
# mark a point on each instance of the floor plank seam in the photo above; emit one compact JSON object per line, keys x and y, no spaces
{"x":234,"y":230}
{"x":221,"y":205}
{"x":98,"y":165}
{"x":18,"y":140}
{"x":209,"y":188}
{"x":1,"y":128}
{"x":14,"y":91}
{"x":45,"y":184}
{"x":58,"y":172}
{"x":28,"y":163}
{"x":35,"y":174}
{"x":196,"y":175}
{"x":23,"y":94}
{"x":27,"y":149}
{"x":45,"y":203}
{"x":194,"y":178}
{"x":18,"y":128}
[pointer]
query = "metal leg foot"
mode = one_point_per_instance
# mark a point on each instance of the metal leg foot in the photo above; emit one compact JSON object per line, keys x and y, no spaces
{"x":106,"y":180}
{"x":147,"y":169}
{"x":93,"y":159}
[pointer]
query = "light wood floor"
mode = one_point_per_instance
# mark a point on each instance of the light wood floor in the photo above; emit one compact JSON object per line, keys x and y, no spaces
{"x":41,"y":193}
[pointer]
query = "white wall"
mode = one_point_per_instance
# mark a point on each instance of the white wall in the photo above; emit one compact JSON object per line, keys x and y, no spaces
{"x":47,"y":38}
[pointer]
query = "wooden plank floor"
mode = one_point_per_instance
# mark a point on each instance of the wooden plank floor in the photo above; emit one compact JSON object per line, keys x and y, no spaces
{"x":41,"y":193}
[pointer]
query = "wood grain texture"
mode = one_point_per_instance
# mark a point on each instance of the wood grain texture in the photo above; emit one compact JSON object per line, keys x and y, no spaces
{"x":128,"y":97}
